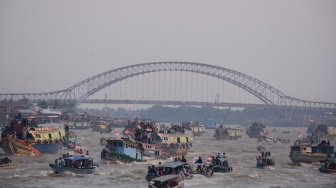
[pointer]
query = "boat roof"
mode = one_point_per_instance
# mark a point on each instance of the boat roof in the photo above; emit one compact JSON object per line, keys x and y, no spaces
{"x":172,"y":164}
{"x":165,"y":178}
{"x":77,"y":158}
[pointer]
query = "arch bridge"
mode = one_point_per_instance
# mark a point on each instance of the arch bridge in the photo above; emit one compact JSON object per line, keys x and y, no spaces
{"x":270,"y":96}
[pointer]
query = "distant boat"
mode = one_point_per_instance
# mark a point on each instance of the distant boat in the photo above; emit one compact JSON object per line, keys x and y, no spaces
{"x":6,"y":163}
{"x":256,"y":130}
{"x":227,"y":133}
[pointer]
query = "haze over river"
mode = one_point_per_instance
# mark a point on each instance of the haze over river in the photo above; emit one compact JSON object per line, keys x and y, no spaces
{"x":35,"y":171}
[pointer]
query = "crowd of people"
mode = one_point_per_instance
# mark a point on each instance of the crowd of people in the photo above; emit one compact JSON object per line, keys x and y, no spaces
{"x":265,"y":158}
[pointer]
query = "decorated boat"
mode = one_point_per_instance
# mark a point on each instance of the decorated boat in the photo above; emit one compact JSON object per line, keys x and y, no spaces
{"x":6,"y":163}
{"x":309,"y":154}
{"x":196,"y":128}
{"x":172,"y":140}
{"x":171,"y":181}
{"x":256,"y":129}
{"x":75,"y":164}
{"x":227,"y":133}
{"x":19,"y":138}
{"x":329,"y":165}
{"x":121,"y":149}
{"x":101,"y":126}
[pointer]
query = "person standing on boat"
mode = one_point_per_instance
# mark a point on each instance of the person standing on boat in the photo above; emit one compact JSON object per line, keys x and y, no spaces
{"x":183,"y":159}
{"x":199,"y":166}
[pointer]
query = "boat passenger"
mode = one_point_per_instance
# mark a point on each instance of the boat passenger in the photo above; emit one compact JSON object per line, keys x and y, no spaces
{"x":161,"y":172}
{"x":328,"y":143}
{"x":87,"y":152}
{"x":218,"y":162}
{"x":199,"y":161}
{"x":183,"y":159}
{"x":185,"y":171}
{"x":181,"y":174}
{"x":213,"y":161}
{"x":224,"y":155}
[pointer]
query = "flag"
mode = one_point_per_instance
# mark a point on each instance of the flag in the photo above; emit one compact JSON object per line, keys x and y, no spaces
{"x":195,"y":159}
{"x":117,"y":133}
{"x":312,"y":119}
{"x":209,"y":159}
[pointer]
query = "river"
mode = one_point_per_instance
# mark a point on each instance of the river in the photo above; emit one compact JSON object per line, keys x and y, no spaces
{"x":35,"y":172}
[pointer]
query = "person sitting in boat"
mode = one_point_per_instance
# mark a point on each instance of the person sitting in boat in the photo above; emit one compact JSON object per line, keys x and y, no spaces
{"x":173,"y":184}
{"x":185,"y":172}
{"x":218,"y":161}
{"x":213,"y":161}
{"x":151,"y":171}
{"x":87,"y":152}
{"x":225,"y":163}
{"x":258,"y":159}
{"x":161,"y":172}
{"x":224,"y":155}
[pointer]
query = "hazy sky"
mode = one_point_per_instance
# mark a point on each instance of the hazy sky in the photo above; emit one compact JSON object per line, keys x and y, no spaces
{"x":51,"y":45}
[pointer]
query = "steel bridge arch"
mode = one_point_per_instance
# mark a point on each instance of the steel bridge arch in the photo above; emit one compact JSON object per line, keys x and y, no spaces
{"x":266,"y":93}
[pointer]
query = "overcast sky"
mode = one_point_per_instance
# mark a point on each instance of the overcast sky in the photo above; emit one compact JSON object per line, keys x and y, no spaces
{"x":51,"y":45}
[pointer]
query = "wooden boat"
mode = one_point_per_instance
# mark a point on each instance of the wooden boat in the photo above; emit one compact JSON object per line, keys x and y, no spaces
{"x":121,"y":149}
{"x":18,"y":138}
{"x":173,"y":141}
{"x":76,"y":164}
{"x":310,"y":154}
{"x":265,"y":162}
{"x":6,"y":163}
{"x":101,"y":126}
{"x":168,"y":168}
{"x":256,"y":129}
{"x":227,"y":133}
{"x":329,"y":165}
{"x":198,"y":130}
{"x":170,"y":181}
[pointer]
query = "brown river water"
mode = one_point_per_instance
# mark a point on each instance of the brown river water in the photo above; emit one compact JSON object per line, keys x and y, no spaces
{"x":35,"y":172}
